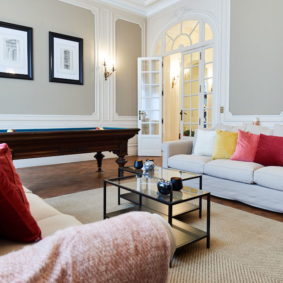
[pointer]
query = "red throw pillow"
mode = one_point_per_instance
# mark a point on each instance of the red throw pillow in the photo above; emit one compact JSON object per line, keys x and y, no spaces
{"x":246,"y":147}
{"x":6,"y":163}
{"x":16,"y":221}
{"x":270,"y":151}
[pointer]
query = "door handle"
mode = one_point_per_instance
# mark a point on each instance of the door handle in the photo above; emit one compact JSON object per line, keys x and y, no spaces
{"x":181,"y":114}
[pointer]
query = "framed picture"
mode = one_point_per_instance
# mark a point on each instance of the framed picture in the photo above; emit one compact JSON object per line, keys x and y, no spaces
{"x":65,"y":59}
{"x":16,"y":51}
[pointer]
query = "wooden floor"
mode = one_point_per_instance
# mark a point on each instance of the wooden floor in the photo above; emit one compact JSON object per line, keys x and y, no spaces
{"x":55,"y":180}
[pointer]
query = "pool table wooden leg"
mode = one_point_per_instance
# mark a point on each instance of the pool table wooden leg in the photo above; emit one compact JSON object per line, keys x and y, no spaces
{"x":99,"y":156}
{"x":121,"y":161}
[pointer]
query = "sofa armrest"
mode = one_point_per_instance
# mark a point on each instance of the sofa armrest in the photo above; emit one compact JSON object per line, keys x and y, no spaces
{"x":175,"y":147}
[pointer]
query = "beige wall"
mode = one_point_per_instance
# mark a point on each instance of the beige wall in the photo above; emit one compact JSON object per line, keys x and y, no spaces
{"x":256,"y":59}
{"x":128,"y":49}
{"x":39,"y":96}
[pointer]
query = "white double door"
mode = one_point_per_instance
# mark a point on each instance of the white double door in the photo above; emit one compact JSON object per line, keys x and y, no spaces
{"x":196,"y":96}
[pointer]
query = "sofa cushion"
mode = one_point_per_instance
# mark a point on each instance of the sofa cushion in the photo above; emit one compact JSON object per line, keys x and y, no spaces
{"x":270,"y":151}
{"x":192,"y":163}
{"x":54,"y":223}
{"x":204,"y":144}
{"x":246,"y":147}
{"x":39,"y":208}
{"x":225,"y":144}
{"x":232,"y":170}
{"x":270,"y":177}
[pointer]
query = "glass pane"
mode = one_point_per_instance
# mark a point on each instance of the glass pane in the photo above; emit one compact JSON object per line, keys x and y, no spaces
{"x":187,"y":88}
{"x":195,"y":35}
{"x":145,"y":91}
{"x":145,"y":66}
{"x":187,"y":102}
{"x":186,"y":116}
{"x":208,"y":73}
{"x":168,"y":44}
{"x":150,"y":104}
{"x":195,"y":73}
{"x":155,"y":91}
{"x":195,"y":101}
{"x":155,"y":78}
{"x":208,"y":32}
{"x":188,"y":26}
{"x":207,"y":101}
{"x":150,"y":116}
{"x":155,"y":65}
{"x":208,"y":85}
{"x":145,"y":129}
{"x":188,"y":74}
{"x":145,"y":78}
{"x":154,"y":129}
{"x":187,"y":60}
{"x":193,"y":131}
{"x":174,"y":31}
{"x":208,"y":55}
{"x":195,"y":116}
{"x":187,"y":130}
{"x":181,"y":41}
{"x":195,"y":58}
{"x":195,"y":87}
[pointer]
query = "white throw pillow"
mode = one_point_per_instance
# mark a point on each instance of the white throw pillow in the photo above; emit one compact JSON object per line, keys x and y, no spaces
{"x":204,"y":144}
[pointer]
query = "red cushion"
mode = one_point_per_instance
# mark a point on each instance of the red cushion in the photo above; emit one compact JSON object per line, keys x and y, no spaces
{"x":16,"y":221}
{"x":7,"y":166}
{"x":246,"y":147}
{"x":270,"y":151}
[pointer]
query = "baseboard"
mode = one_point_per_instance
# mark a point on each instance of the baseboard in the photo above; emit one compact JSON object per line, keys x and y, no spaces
{"x":32,"y":162}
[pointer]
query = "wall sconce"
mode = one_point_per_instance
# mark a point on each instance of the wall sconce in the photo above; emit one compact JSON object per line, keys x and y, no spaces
{"x":108,"y":72}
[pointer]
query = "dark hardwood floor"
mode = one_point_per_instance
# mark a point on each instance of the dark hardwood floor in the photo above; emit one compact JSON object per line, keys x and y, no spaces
{"x":55,"y":180}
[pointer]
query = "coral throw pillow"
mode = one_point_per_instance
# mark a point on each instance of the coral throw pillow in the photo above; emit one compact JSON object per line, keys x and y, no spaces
{"x":246,"y":147}
{"x":16,"y":221}
{"x":225,"y":144}
{"x":270,"y":151}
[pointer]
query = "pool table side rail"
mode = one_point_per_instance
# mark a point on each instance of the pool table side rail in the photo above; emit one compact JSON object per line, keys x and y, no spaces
{"x":54,"y":143}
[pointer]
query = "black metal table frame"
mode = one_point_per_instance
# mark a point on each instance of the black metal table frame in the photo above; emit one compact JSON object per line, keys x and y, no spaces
{"x":170,"y":204}
{"x":121,"y":171}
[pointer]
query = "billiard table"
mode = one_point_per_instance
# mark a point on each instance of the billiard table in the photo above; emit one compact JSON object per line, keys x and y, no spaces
{"x":32,"y":143}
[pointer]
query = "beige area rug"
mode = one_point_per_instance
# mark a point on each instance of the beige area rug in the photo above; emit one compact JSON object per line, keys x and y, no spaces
{"x":244,"y":247}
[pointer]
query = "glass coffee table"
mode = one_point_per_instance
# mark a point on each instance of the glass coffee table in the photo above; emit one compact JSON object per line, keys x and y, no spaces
{"x":166,"y":174}
{"x":144,"y":188}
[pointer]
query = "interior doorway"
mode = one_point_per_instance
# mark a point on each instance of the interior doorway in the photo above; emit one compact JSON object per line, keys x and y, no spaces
{"x":171,"y":97}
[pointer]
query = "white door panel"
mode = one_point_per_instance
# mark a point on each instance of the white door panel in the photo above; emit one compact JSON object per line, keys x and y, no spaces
{"x":150,"y":106}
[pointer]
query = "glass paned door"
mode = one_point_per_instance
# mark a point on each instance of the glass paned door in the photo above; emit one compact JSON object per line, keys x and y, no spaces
{"x":149,"y":106}
{"x":191,"y":106}
{"x":197,"y":95}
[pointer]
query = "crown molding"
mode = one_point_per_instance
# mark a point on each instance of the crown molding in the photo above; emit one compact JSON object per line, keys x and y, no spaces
{"x":143,"y":8}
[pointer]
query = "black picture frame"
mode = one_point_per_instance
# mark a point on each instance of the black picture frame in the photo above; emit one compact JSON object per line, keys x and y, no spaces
{"x":52,"y":63}
{"x":29,"y":52}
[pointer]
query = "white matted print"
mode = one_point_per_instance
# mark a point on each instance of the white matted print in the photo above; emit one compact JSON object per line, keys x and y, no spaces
{"x":66,"y":59}
{"x":15,"y":51}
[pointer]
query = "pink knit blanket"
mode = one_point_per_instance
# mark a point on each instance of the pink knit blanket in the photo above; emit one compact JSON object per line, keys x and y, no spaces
{"x":134,"y":247}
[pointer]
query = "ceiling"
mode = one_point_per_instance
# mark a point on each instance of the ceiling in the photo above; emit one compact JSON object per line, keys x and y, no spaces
{"x":142,"y":7}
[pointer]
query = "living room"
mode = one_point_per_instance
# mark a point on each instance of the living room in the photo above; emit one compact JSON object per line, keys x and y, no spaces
{"x":116,"y":112}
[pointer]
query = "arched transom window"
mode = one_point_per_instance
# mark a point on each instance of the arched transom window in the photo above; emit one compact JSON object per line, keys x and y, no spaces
{"x":182,"y":36}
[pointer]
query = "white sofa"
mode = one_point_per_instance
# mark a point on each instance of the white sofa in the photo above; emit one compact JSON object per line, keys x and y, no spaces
{"x":48,"y":219}
{"x":247,"y":182}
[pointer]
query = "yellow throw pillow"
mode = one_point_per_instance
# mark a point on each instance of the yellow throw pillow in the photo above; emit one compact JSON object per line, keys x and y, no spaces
{"x":225,"y":144}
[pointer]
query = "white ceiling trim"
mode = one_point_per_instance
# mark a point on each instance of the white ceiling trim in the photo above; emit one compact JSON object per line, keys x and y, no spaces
{"x":141,"y":7}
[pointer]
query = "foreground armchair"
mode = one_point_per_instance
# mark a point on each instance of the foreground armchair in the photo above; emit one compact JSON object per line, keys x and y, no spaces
{"x":134,"y":247}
